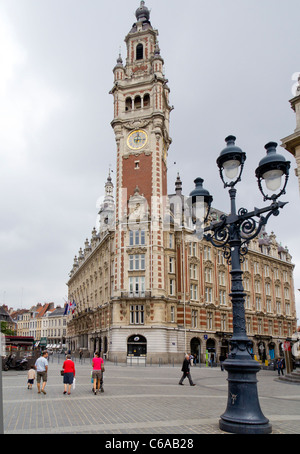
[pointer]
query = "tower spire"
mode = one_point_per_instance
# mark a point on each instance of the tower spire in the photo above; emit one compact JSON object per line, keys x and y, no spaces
{"x":142,"y":13}
{"x":178,"y":185}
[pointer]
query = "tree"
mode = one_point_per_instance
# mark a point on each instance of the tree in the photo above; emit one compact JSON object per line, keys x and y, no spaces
{"x":6,"y":330}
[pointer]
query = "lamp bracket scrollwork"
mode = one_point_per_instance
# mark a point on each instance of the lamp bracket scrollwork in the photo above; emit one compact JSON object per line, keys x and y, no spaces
{"x":240,"y":228}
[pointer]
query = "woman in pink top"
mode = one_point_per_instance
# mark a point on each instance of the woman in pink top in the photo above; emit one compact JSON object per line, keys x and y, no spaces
{"x":97,"y":372}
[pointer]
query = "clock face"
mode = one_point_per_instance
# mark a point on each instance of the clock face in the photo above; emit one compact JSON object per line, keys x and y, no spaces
{"x":137,"y":139}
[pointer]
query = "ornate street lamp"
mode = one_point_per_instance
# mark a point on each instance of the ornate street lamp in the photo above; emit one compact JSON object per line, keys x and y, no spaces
{"x":200,"y":200}
{"x":232,"y":234}
{"x":271,"y":169}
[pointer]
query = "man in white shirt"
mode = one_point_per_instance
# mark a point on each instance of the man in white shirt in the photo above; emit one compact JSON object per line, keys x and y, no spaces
{"x":41,"y":366}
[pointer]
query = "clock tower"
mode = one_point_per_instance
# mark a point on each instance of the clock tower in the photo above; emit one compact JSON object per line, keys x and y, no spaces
{"x":141,"y":127}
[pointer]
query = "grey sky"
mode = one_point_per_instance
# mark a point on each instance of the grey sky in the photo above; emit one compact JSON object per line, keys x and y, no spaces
{"x":230,"y":65}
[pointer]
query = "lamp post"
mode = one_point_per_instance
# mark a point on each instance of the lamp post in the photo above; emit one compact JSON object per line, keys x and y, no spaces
{"x":233,"y":233}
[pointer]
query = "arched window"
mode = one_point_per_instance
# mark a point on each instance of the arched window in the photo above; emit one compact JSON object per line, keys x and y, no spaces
{"x":196,"y":349}
{"x":139,"y":52}
{"x":137,"y":345}
{"x":128,"y":105}
{"x":137,"y":102}
{"x":146,"y":100}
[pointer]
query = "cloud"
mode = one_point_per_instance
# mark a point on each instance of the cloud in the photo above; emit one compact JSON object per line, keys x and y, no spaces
{"x":228,"y":74}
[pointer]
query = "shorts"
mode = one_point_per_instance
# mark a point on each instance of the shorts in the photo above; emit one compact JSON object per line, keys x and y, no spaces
{"x":30,"y":381}
{"x":68,"y":378}
{"x":97,"y":374}
{"x":41,"y":376}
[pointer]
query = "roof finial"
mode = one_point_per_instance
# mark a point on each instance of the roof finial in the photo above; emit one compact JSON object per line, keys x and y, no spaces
{"x":119,"y":59}
{"x":178,"y":185}
{"x":142,"y":13}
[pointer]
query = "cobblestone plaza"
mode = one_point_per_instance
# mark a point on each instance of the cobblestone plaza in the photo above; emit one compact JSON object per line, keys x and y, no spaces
{"x":138,"y":400}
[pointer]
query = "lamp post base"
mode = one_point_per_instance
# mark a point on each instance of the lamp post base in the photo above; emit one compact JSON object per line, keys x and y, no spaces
{"x":243,"y":414}
{"x":245,"y":428}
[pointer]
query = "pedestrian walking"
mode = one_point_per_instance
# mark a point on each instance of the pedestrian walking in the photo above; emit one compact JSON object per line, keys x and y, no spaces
{"x":30,"y":377}
{"x":97,"y":374}
{"x":279,"y":366}
{"x":222,"y":359}
{"x":186,"y":371}
{"x":41,"y":366}
{"x":69,"y":374}
{"x":195,"y":359}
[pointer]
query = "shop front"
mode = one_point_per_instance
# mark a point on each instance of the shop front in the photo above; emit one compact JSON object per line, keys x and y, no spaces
{"x":136,"y":349}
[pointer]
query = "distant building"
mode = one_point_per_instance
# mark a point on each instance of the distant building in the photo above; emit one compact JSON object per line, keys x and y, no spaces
{"x":22,"y":318}
{"x":54,"y":328}
{"x":35,"y":322}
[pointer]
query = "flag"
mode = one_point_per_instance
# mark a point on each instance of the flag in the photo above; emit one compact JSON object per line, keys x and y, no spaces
{"x":66,"y":309}
{"x":70,"y":307}
{"x":73,"y":306}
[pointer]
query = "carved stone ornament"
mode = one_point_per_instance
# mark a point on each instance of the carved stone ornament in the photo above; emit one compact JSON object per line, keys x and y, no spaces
{"x":136,"y":124}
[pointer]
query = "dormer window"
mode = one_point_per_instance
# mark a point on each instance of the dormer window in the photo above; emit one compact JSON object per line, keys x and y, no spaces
{"x":139,"y":52}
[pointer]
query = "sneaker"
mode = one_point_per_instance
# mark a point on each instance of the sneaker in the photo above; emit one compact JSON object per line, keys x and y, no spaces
{"x":102,"y":390}
{"x":181,"y":384}
{"x":44,"y":392}
{"x":194,"y":384}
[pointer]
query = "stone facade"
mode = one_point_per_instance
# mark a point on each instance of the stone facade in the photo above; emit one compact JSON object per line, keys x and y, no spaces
{"x":145,"y":288}
{"x":292,"y":142}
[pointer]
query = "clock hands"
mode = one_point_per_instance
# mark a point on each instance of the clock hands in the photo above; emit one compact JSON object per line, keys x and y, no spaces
{"x":137,"y":139}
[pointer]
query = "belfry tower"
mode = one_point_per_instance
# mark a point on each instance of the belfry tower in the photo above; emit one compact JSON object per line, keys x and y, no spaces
{"x":141,"y":127}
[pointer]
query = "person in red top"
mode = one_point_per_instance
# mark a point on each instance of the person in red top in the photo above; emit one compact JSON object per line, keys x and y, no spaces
{"x":97,"y":372}
{"x":69,"y":373}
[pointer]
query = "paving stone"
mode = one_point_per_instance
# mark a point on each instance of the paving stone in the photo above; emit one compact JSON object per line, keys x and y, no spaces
{"x":138,"y":400}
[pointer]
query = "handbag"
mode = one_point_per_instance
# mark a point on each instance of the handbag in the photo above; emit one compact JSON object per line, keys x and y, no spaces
{"x":102,"y":367}
{"x":62,"y":372}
